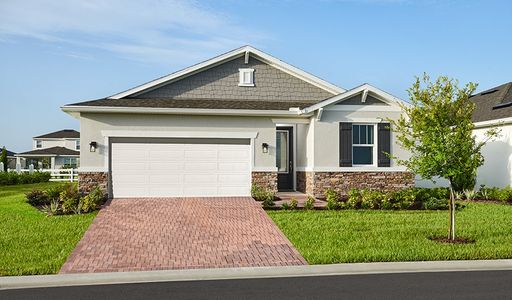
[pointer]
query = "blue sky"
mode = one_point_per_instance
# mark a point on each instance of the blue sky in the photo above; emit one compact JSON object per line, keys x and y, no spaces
{"x":55,"y":52}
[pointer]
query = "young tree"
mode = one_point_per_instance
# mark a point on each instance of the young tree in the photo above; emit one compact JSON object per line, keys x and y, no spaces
{"x":438,"y":132}
{"x":3,"y":158}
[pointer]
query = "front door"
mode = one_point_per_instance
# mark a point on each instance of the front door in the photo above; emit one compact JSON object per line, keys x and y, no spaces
{"x":284,"y":158}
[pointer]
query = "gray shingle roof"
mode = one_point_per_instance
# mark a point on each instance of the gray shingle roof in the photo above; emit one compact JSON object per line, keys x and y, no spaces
{"x":9,"y":153}
{"x":61,"y":134}
{"x":51,"y":151}
{"x":194,"y":103}
{"x":492,"y":104}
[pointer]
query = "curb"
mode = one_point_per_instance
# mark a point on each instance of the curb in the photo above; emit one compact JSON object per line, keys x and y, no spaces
{"x":18,"y":282}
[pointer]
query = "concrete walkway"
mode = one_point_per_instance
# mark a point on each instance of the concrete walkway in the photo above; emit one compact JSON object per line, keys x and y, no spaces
{"x":251,"y":273}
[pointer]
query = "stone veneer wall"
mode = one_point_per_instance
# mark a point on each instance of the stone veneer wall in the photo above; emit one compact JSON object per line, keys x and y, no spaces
{"x":87,"y":181}
{"x":267,"y":180}
{"x":315,"y":183}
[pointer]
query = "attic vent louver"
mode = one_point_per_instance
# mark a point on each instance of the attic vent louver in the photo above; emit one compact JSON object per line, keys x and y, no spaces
{"x":246,"y":77}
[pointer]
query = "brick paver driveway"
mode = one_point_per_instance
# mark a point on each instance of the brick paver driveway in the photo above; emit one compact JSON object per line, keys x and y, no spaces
{"x":178,"y":233}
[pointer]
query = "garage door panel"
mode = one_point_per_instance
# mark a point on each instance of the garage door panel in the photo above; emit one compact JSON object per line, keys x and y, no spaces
{"x":200,"y":179}
{"x":125,"y":179}
{"x":165,"y":179}
{"x":166,"y":167}
{"x":229,"y":167}
{"x":180,"y":170}
{"x":232,"y":179}
{"x":199,"y":191}
{"x":167,"y":155}
{"x":233,"y":155}
{"x":201,"y":167}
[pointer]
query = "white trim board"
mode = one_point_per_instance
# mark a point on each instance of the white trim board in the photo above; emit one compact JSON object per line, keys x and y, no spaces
{"x":183,"y":111}
{"x":277,"y":63}
{"x":181,"y":134}
{"x":352,"y":169}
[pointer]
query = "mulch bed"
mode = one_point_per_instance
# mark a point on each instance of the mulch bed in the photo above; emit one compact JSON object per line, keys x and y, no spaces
{"x":458,"y":240}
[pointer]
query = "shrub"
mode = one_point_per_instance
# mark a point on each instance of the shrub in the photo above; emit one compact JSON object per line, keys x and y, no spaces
{"x":260,"y":193}
{"x":354,"y":199}
{"x":435,"y":204}
{"x":53,"y":209}
{"x":405,"y":199}
{"x":489,"y":193}
{"x":470,"y":194}
{"x":11,"y":178}
{"x":69,"y":199}
{"x":294,"y":203}
{"x":37,"y":197}
{"x":505,"y":194}
{"x":387,"y":201}
{"x":310,"y":203}
{"x":53,"y":192}
{"x":92,"y":201}
{"x":332,"y":199}
{"x":286,"y":206}
{"x":371,"y":199}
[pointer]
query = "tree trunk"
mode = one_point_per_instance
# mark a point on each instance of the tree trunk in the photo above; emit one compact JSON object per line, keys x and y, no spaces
{"x":451,"y":234}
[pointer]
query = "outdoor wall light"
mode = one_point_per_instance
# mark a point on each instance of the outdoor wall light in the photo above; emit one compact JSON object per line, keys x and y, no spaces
{"x":264,"y":147}
{"x":93,"y":146}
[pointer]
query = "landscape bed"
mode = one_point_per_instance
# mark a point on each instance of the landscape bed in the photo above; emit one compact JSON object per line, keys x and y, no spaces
{"x":31,"y":242}
{"x":344,"y":236}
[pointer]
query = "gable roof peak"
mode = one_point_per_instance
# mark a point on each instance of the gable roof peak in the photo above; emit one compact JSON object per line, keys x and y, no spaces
{"x":267,"y":58}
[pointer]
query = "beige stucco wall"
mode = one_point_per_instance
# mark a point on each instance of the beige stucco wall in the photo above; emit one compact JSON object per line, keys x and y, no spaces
{"x":92,"y":125}
{"x":326,"y":134}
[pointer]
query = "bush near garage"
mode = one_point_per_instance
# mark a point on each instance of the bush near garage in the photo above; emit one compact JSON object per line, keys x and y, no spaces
{"x":65,"y":199}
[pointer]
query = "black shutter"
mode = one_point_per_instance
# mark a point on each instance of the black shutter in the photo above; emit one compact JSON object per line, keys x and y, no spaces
{"x":345,"y":144}
{"x":384,"y":144}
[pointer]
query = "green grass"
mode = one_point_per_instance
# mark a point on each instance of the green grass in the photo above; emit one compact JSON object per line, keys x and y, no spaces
{"x":324,"y":237}
{"x":30,"y":242}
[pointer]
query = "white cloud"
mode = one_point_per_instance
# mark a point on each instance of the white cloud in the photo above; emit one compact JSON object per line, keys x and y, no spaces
{"x":149,"y":30}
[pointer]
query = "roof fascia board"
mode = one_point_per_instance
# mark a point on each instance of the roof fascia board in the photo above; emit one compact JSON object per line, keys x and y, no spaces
{"x":189,"y":111}
{"x":274,"y":62}
{"x":384,"y":96}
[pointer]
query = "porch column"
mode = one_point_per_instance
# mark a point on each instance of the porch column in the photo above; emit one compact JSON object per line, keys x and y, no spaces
{"x":52,"y":162}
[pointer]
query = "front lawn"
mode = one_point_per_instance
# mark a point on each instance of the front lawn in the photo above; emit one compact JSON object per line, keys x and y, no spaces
{"x":30,"y":242}
{"x":324,"y":237}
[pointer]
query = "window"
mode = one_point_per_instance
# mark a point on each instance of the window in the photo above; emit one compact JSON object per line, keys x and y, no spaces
{"x":362,"y":144}
{"x":70,"y":162}
{"x":77,"y":145}
{"x":282,"y":151}
{"x":39,"y":144}
{"x":246,"y":77}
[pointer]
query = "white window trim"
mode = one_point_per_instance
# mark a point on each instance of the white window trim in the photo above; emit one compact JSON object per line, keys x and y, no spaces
{"x":374,"y":146}
{"x":242,"y":72}
{"x":77,"y":145}
{"x":36,"y":144}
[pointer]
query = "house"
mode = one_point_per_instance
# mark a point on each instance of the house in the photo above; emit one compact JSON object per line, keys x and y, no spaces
{"x":494,"y":107}
{"x":11,"y":159}
{"x":55,"y":150}
{"x":241,"y":118}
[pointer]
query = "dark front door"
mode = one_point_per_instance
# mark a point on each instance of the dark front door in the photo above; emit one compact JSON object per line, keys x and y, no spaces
{"x":284,"y":158}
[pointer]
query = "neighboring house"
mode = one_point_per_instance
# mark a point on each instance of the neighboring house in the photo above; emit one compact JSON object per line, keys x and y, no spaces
{"x":494,"y":107}
{"x":11,"y":159}
{"x":242,"y":117}
{"x":55,"y":150}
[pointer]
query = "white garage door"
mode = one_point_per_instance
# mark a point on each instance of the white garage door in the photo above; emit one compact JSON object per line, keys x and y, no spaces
{"x":173,"y":170}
